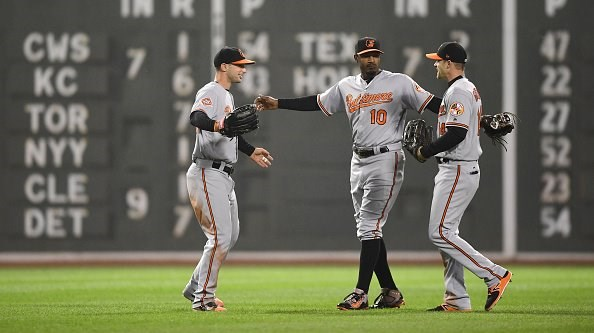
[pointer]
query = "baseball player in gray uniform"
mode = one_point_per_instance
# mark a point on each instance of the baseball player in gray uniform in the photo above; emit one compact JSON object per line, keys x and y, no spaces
{"x":457,"y":149}
{"x":375,"y":103}
{"x":210,"y":186}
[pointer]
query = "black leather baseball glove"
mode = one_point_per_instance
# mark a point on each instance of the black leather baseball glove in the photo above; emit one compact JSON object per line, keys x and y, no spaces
{"x":243,"y":119}
{"x":416,"y":135}
{"x":498,"y":125}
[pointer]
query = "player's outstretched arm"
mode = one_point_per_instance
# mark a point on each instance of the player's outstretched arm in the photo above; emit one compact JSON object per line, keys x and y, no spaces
{"x":262,"y":157}
{"x":266,"y":103}
{"x":305,"y":103}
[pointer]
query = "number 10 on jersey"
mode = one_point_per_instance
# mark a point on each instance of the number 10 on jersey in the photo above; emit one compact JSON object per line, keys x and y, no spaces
{"x":378,"y":117}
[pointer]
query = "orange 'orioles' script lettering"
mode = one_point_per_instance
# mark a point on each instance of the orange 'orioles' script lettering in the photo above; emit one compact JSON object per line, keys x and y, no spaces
{"x":367,"y":99}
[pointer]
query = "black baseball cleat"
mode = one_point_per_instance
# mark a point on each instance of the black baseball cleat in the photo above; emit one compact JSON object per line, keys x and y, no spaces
{"x":388,"y":298}
{"x":353,"y":301}
{"x":447,"y":308}
{"x":494,"y":293}
{"x":210,"y":306}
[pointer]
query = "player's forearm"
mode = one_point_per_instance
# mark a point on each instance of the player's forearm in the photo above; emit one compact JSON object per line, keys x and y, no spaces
{"x":244,"y":146}
{"x":449,"y":140}
{"x":307,"y":103}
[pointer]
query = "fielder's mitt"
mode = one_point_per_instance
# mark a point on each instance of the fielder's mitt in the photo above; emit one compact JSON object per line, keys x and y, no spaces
{"x":416,"y":135}
{"x":243,"y":119}
{"x":498,"y":125}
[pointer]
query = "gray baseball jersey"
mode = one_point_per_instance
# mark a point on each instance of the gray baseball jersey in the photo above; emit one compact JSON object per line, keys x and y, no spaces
{"x":455,"y":185}
{"x":216,"y":102}
{"x":376,"y":112}
{"x":461,"y":107}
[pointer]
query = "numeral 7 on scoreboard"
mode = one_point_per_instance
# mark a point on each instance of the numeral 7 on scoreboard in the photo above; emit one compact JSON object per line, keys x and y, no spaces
{"x":137,"y":55}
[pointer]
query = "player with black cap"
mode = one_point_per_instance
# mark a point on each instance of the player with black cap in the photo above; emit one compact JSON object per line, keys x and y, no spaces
{"x":457,"y":149}
{"x":375,"y":103}
{"x":231,"y":55}
{"x":210,"y":186}
{"x":451,"y":51}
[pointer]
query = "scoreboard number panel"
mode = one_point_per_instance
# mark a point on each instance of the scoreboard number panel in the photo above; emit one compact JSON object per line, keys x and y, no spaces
{"x":553,"y":214}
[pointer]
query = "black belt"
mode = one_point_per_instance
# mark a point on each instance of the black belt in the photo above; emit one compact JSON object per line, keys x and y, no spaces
{"x":227,"y":169}
{"x":441,"y":160}
{"x":366,"y":152}
{"x":215,"y":164}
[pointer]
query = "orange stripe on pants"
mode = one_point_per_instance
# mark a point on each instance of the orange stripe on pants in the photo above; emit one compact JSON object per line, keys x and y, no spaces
{"x":216,"y":240}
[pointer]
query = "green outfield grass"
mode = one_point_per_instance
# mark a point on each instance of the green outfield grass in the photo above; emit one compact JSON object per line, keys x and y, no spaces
{"x":283,"y":299}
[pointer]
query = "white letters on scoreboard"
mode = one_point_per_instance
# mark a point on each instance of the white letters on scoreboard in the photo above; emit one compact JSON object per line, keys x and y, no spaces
{"x":57,"y":140}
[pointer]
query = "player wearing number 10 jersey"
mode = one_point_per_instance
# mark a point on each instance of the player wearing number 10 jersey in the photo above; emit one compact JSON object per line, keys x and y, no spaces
{"x":375,"y":102}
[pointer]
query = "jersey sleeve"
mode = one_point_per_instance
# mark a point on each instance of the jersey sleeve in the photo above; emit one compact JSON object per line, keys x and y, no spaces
{"x":415,"y":97}
{"x":459,"y":109}
{"x":331,"y":100}
{"x":205,"y":101}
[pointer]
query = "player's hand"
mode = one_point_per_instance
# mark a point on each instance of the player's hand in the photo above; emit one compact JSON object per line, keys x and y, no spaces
{"x":266,"y":103}
{"x":262,"y":157}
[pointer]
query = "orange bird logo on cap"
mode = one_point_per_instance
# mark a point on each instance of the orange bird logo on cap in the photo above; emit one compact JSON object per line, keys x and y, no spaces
{"x":370,"y":43}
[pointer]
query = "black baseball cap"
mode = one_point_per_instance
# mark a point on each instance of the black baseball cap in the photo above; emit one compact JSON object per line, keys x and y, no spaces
{"x":231,"y":55}
{"x":367,"y":44}
{"x":449,"y":51}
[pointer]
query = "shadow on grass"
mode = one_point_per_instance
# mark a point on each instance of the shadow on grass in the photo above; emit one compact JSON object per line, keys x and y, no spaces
{"x":587,"y":313}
